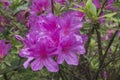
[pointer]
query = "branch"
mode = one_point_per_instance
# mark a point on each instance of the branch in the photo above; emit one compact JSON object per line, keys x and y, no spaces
{"x":89,"y":39}
{"x":104,"y":56}
{"x":52,"y":6}
{"x":99,"y":42}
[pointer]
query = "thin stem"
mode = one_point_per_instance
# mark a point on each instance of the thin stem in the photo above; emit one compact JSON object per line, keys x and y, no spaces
{"x":104,"y":56}
{"x":99,"y":44}
{"x":110,"y":43}
{"x":52,"y":5}
{"x":89,"y":39}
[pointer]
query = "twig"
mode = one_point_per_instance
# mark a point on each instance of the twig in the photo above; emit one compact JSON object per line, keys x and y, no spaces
{"x":89,"y":39}
{"x":99,"y":42}
{"x":52,"y":6}
{"x":104,"y":56}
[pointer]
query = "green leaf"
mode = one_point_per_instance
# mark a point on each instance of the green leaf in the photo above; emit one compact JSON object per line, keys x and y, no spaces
{"x":109,"y":15}
{"x":81,"y":10}
{"x":90,"y":9}
{"x":7,"y":63}
{"x":93,"y":9}
{"x":89,"y":2}
{"x":22,"y":7}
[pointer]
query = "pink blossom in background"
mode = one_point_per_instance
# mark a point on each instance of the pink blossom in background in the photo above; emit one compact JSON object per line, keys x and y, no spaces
{"x":108,"y":35}
{"x":105,"y":74}
{"x":39,"y":6}
{"x":108,"y":5}
{"x":60,"y":1}
{"x":119,"y":33}
{"x":102,"y":20}
{"x":6,"y":3}
{"x":22,"y":15}
{"x":97,"y":3}
{"x":4,"y":48}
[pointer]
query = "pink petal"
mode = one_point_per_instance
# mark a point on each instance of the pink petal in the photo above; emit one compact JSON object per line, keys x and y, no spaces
{"x":71,"y":58}
{"x":26,"y":63}
{"x":51,"y":65}
{"x":24,"y":52}
{"x":37,"y":65}
{"x":60,"y":59}
{"x":81,"y":49}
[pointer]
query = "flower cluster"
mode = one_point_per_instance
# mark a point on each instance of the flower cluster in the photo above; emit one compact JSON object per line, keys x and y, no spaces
{"x":52,"y":40}
{"x":4,"y":48}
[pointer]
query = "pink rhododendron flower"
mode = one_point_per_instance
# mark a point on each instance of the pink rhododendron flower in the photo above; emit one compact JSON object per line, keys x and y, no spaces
{"x":39,"y":50}
{"x":4,"y":48}
{"x":71,"y":41}
{"x":68,"y":49}
{"x":52,"y":37}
